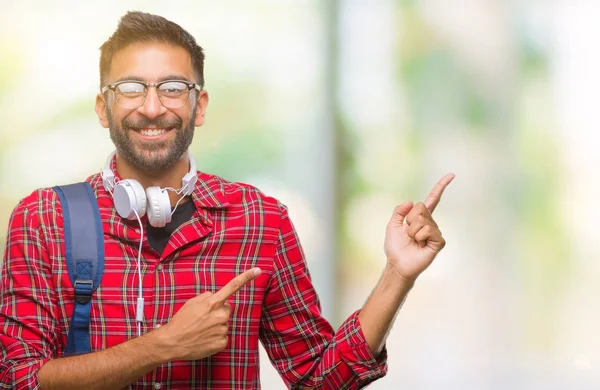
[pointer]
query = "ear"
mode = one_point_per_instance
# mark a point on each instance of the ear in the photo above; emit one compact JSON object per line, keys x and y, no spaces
{"x":101,"y":110}
{"x":201,"y":104}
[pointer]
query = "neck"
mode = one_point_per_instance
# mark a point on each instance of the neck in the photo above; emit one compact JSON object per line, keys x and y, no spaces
{"x":166,"y":178}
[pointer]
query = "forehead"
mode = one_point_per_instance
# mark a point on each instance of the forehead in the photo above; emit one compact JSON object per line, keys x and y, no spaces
{"x":151,"y":62}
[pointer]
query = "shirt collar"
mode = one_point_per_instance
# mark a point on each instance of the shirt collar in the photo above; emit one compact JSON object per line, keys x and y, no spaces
{"x":208,"y":191}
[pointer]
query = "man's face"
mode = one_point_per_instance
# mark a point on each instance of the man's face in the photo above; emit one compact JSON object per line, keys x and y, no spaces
{"x":151,"y":137}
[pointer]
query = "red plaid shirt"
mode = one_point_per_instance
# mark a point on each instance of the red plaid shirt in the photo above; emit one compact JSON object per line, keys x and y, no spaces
{"x":234,"y":228}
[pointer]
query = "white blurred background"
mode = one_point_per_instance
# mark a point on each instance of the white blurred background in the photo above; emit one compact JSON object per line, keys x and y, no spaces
{"x":344,"y":108}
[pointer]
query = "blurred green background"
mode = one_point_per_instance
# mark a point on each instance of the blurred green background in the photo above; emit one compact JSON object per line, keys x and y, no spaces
{"x":343,"y":109}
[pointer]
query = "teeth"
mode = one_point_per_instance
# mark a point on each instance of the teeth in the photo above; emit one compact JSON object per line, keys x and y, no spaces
{"x":153,"y":132}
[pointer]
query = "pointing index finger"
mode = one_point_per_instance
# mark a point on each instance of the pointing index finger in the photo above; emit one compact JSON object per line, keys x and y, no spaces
{"x":236,"y":284}
{"x":436,"y":193}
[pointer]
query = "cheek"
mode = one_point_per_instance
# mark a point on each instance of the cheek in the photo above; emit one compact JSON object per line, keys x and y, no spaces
{"x":186,"y":116}
{"x":116,"y":120}
{"x":193,"y":115}
{"x":120,"y":117}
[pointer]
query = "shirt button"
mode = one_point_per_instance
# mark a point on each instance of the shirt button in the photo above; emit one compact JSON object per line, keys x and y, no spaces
{"x":160,"y":267}
{"x":156,"y":326}
{"x":157,"y":385}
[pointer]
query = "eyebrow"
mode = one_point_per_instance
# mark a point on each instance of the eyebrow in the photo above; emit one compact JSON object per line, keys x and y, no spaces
{"x":137,"y":78}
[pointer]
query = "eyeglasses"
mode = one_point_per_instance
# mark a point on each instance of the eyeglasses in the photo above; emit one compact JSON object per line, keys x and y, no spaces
{"x":132,"y":94}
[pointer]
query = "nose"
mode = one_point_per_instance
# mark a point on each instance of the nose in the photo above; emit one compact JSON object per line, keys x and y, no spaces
{"x":152,"y":107}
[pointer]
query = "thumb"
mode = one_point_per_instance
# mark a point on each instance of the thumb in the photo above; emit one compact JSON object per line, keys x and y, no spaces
{"x":400,"y":212}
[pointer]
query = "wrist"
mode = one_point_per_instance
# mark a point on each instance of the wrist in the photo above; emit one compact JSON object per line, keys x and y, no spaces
{"x":392,"y":271}
{"x":161,"y":344}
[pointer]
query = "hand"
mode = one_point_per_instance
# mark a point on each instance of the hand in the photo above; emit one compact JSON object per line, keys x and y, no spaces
{"x":412,"y":238}
{"x":200,"y":327}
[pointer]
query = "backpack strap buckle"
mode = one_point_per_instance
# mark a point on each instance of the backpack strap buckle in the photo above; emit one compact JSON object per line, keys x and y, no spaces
{"x":83,"y":291}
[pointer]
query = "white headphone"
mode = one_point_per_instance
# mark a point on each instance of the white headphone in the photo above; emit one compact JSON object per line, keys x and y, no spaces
{"x":130,"y":198}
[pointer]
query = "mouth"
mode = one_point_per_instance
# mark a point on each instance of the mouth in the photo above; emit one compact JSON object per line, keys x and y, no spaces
{"x":152,"y":133}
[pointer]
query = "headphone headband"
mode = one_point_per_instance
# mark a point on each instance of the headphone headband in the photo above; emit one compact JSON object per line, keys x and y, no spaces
{"x":108,"y":176}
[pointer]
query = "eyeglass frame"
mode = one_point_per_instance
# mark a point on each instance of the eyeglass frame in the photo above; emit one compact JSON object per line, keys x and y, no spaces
{"x":190,"y":85}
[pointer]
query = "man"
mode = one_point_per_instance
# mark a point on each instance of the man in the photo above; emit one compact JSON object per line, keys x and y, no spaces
{"x":224,"y":273}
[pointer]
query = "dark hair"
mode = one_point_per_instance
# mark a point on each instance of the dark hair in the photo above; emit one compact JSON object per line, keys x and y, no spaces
{"x":136,"y":27}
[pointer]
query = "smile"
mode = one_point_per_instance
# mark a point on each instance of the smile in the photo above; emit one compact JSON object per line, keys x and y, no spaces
{"x":152,"y":132}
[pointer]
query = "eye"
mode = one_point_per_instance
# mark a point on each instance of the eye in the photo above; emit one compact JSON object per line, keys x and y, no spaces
{"x":130,"y":88}
{"x":173,"y":88}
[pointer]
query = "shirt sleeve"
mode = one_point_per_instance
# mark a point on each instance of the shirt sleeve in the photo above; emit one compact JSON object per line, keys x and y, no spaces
{"x":301,"y":344}
{"x":28,"y":326}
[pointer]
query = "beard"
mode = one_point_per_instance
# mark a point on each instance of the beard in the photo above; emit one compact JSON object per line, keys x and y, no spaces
{"x":154,"y":156}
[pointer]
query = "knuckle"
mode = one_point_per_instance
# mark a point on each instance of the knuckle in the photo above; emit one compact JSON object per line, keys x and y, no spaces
{"x":221,"y":342}
{"x":212,"y":303}
{"x":236,"y":284}
{"x":224,"y":342}
{"x":424,"y":233}
{"x":222,"y":317}
{"x":205,"y":295}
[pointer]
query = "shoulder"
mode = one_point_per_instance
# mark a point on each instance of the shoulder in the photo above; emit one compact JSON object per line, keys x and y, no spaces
{"x":237,"y":193}
{"x":42,"y":207}
{"x":245,"y":198}
{"x":38,"y":202}
{"x":35,"y":212}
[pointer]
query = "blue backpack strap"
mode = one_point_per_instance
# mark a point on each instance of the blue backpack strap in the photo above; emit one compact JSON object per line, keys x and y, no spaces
{"x":84,"y":243}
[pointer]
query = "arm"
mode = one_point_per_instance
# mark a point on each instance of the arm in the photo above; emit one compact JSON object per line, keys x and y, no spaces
{"x":379,"y":312}
{"x":30,"y":334}
{"x":301,"y":344}
{"x":199,"y":329}
{"x":28,"y":326}
{"x":112,"y":368}
{"x":412,"y":242}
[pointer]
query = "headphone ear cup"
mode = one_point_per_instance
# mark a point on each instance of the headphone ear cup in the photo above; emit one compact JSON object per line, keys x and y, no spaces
{"x":159,"y":206}
{"x":129,"y":197}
